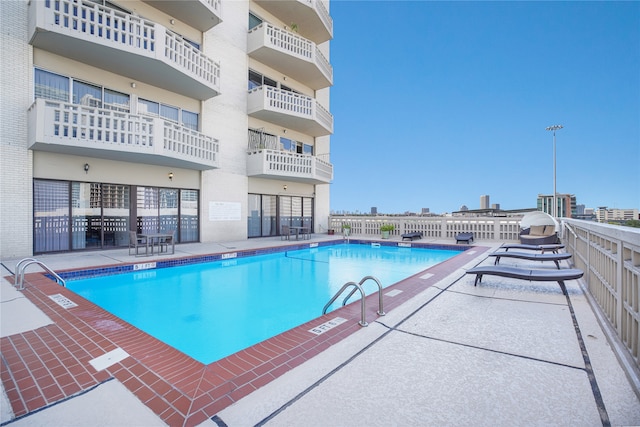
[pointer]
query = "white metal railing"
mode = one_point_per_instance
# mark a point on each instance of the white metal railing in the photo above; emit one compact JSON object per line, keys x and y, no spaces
{"x":72,"y":125}
{"x":291,"y":103}
{"x":294,"y":45}
{"x":123,"y":31}
{"x":483,"y":228}
{"x":288,"y":164}
{"x":323,"y":13}
{"x":610,"y":257}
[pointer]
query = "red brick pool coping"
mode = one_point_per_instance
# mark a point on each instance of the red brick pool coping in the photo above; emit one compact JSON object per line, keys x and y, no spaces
{"x":47,"y":365}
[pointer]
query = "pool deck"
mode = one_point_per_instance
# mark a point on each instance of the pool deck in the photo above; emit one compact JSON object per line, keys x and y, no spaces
{"x":507,"y":352}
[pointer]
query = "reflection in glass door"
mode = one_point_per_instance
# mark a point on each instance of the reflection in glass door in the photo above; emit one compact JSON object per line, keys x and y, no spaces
{"x":86,"y":212}
{"x":188,"y":216}
{"x":168,"y":210}
{"x":147,"y":210}
{"x":115,"y":215}
{"x":269,"y":212}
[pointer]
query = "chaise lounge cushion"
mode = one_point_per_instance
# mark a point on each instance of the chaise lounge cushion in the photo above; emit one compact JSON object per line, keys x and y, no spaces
{"x":539,"y":235}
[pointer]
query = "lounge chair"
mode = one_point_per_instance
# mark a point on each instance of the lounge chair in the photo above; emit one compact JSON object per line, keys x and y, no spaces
{"x":464,"y":237}
{"x":539,"y":235}
{"x":136,"y":242}
{"x":555,"y":257}
{"x":413,"y":235}
{"x":526,"y":274}
{"x":543,"y":248}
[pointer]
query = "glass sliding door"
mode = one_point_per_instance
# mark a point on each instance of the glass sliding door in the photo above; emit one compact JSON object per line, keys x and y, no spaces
{"x":189,"y":231}
{"x":307,"y":212}
{"x":115,"y":215}
{"x":147,"y":210}
{"x":50,"y":216}
{"x":168,"y":210}
{"x":269,"y":216}
{"x":88,"y":215}
{"x":254,"y":218}
{"x":296,"y":211}
{"x":86,"y":212}
{"x":284,"y":211}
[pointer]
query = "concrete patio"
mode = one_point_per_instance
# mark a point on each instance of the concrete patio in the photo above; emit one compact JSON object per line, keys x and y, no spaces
{"x":506,"y":352}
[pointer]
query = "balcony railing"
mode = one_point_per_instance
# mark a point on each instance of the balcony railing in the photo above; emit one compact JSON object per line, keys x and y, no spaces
{"x":291,"y":55}
{"x":609,"y":256}
{"x":123,"y":44}
{"x":483,"y":228}
{"x":286,"y":165}
{"x":200,"y":14}
{"x":311,"y":17}
{"x":81,"y":130}
{"x":290,"y":110}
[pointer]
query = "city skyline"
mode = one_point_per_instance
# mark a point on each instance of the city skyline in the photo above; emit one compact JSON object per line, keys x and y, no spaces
{"x":438,"y":103}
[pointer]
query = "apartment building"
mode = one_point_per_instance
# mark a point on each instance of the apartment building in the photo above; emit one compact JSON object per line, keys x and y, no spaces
{"x":565,"y":205}
{"x":209,"y":118}
{"x":604,"y":214}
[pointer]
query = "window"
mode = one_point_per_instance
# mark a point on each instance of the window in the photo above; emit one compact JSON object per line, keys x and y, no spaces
{"x":151,"y":108}
{"x":55,"y":87}
{"x":287,"y":144}
{"x":116,"y":101}
{"x":190,"y":120}
{"x":169,"y":112}
{"x":256,"y":79}
{"x":254,"y":21}
{"x":51,"y":86}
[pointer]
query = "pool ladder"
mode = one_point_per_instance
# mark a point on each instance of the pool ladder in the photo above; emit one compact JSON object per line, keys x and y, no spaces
{"x":363,"y":306}
{"x":22,"y":266}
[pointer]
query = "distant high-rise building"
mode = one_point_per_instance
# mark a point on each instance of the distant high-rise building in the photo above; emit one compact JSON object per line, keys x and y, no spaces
{"x":484,"y":202}
{"x":425,"y":211}
{"x":464,"y":208}
{"x":495,"y":206}
{"x":374,"y":210}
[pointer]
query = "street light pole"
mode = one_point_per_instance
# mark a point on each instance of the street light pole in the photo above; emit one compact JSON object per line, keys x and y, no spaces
{"x":554,"y":128}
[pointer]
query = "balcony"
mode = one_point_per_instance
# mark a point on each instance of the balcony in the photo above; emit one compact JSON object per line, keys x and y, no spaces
{"x":97,"y":132}
{"x":290,"y":110}
{"x":123,"y":44}
{"x":311,"y":17}
{"x":200,"y":14}
{"x":289,"y":166}
{"x":291,"y":55}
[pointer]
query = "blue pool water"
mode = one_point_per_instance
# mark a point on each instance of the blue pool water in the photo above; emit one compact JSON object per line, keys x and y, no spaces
{"x":211,"y":310}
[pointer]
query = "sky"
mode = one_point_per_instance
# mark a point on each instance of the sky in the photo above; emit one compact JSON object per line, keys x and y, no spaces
{"x":438,"y":103}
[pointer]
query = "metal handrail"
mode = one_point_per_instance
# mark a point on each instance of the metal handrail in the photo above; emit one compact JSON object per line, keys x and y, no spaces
{"x":22,"y":266}
{"x":363,"y":320}
{"x":380,"y":304}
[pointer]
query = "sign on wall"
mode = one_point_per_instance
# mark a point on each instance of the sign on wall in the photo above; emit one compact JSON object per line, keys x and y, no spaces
{"x":225,"y":211}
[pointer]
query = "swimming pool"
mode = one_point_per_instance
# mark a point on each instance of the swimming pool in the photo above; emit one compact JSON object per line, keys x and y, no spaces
{"x":214,"y":309}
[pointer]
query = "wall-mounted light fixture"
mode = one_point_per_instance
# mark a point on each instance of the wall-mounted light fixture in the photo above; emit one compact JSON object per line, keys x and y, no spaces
{"x":86,"y":168}
{"x":284,"y":131}
{"x":133,"y":85}
{"x":284,"y":187}
{"x":170,"y":176}
{"x":172,"y":21}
